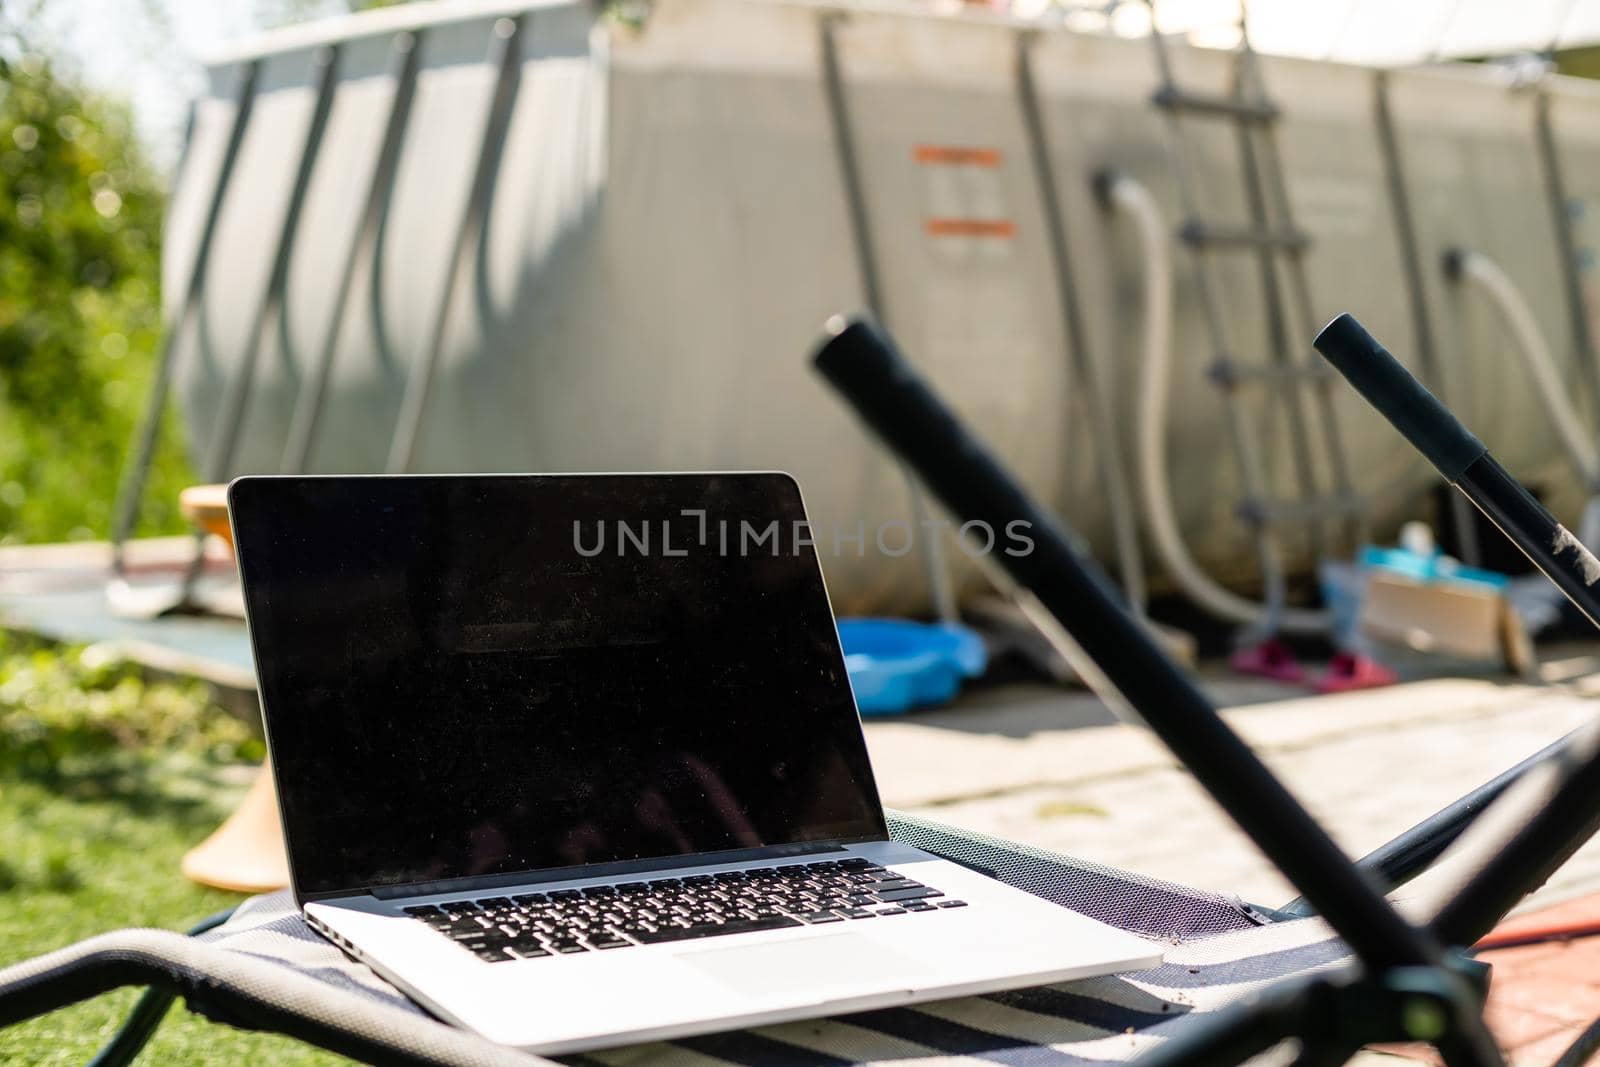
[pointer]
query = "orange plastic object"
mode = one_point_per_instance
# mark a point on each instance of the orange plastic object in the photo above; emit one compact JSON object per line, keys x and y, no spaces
{"x":207,"y":507}
{"x":246,"y":853}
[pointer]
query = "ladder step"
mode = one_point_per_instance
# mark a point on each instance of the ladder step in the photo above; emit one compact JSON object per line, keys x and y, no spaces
{"x":1228,"y":372}
{"x":1286,"y":511}
{"x":1171,"y":98}
{"x":1200,"y":234}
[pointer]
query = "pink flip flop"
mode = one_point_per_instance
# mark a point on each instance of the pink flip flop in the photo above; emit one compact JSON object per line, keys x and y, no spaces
{"x":1348,"y":671}
{"x":1270,"y":659}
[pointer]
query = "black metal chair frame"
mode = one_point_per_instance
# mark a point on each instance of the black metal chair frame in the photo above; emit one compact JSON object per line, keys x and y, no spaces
{"x":1415,"y":981}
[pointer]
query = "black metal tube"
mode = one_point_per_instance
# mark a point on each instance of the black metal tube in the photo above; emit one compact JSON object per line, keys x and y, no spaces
{"x":1464,"y":460}
{"x":1572,"y":816}
{"x":1566,"y":822}
{"x":1405,"y":231}
{"x":1240,"y":1032}
{"x":859,"y":361}
{"x":926,"y":537}
{"x":307,"y":416}
{"x":229,"y":422}
{"x":1108,"y":451}
{"x":130,"y":491}
{"x":1402,"y":858}
{"x":148,"y":1012}
{"x":1582,"y":1050}
{"x":137,"y":1029}
{"x":506,"y":50}
{"x":1550,"y":546}
{"x":1555,"y":191}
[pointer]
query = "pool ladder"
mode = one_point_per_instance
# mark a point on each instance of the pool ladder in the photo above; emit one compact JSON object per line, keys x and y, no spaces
{"x":1299,"y":383}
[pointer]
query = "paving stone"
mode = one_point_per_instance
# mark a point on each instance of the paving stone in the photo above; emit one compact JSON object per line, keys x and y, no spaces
{"x":1054,"y":769}
{"x":1514,"y":1027}
{"x":1369,"y":765}
{"x":1543,"y":1052}
{"x":1548,"y":994}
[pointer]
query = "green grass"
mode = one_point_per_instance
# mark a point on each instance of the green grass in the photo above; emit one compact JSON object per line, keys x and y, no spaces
{"x":106,"y":779}
{"x":103,"y":854}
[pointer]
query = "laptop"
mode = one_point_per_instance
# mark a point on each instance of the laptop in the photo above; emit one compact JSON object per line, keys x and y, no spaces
{"x":573,"y":761}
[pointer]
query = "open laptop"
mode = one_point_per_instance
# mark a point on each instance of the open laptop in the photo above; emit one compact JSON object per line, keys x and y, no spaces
{"x":573,"y":760}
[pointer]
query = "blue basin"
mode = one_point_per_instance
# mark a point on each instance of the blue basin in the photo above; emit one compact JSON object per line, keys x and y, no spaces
{"x":896,"y":664}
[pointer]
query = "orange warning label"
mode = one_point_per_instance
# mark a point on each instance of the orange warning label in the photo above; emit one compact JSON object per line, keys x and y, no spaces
{"x":963,"y":193}
{"x":956,"y":155}
{"x":970,"y":227}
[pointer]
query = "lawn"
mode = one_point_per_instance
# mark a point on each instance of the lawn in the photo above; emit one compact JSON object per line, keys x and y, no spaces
{"x":105,"y":781}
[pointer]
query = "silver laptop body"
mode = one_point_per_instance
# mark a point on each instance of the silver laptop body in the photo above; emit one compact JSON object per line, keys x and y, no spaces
{"x":573,"y":761}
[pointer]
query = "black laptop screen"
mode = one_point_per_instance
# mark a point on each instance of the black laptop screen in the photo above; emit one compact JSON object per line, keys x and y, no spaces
{"x":479,"y":676}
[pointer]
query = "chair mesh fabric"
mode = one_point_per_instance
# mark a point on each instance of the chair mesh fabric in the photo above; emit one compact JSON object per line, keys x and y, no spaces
{"x":265,"y":968}
{"x":1127,"y":901}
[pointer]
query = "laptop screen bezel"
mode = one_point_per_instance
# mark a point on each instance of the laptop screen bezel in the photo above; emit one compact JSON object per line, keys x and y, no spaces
{"x":538,"y":875}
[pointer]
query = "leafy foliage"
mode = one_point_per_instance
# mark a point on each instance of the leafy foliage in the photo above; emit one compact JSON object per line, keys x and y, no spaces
{"x":73,"y":716}
{"x":80,"y":225}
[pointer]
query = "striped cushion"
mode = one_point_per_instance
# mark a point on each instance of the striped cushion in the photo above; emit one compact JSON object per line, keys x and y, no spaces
{"x":1219,"y":951}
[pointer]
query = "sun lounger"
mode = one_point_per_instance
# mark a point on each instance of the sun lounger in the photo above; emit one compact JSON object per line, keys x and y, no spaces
{"x":265,"y":969}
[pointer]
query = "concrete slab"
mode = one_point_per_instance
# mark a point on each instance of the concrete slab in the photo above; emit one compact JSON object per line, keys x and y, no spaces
{"x":1054,"y":769}
{"x":58,"y":592}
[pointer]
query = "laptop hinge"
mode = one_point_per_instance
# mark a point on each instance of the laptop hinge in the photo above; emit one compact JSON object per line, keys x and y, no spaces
{"x":603,"y":870}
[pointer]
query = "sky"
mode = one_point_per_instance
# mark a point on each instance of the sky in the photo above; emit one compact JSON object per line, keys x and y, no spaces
{"x":147,"y":50}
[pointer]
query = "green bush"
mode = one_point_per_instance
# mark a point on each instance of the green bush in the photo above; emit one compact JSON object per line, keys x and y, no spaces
{"x":68,"y":713}
{"x":80,"y":226}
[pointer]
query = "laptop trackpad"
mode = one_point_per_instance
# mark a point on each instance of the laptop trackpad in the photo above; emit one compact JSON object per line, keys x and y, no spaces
{"x":821,"y":967}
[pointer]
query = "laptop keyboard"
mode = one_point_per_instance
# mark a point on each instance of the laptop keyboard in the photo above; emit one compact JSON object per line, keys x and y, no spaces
{"x":599,"y":918}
